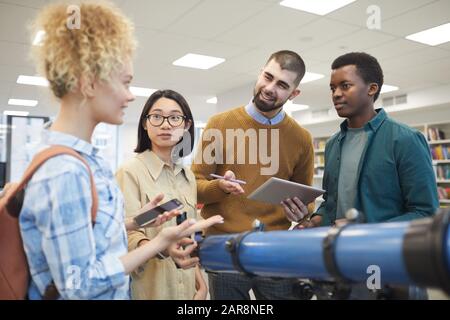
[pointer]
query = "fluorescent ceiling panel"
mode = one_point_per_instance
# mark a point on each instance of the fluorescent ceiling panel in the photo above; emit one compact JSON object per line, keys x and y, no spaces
{"x":32,"y":80}
{"x":320,"y":7}
{"x":22,"y":102}
{"x":198,"y":61}
{"x":15,"y":113}
{"x":311,"y":76}
{"x":292,"y":107}
{"x":433,"y":36}
{"x":387,"y":88}
{"x":212,"y":100}
{"x":142,"y":92}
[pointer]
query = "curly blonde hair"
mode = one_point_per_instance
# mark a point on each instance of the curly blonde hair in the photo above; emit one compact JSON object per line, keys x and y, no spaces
{"x":100,"y":46}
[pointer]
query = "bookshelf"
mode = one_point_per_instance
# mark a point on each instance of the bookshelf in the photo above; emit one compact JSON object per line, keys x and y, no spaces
{"x":438,"y":142}
{"x":319,"y":159}
{"x":319,"y":164}
{"x":438,"y":137}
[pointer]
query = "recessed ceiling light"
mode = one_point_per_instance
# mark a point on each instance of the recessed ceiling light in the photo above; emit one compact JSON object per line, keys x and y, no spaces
{"x":433,"y":36}
{"x":32,"y":80}
{"x":15,"y":113}
{"x":212,"y":100}
{"x":320,"y":7}
{"x":290,"y":107}
{"x":22,"y":102}
{"x":198,"y":61}
{"x":387,"y":88}
{"x":142,"y":92}
{"x":39,"y":38}
{"x":311,"y":76}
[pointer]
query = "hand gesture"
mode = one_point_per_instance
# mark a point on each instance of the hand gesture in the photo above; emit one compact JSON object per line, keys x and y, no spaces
{"x":228,"y":186}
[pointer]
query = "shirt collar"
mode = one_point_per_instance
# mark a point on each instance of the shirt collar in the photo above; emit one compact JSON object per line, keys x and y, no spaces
{"x":252,"y":111}
{"x":373,"y":124}
{"x":155,"y":165}
{"x":50,"y":137}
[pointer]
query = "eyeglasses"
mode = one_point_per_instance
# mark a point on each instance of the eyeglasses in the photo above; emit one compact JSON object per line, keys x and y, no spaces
{"x":157,"y":120}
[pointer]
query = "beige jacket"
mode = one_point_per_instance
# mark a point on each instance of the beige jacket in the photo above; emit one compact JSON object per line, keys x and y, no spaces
{"x":141,"y":179}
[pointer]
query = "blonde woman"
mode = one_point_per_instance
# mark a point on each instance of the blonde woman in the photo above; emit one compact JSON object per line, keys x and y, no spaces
{"x":89,"y":70}
{"x":166,"y":122}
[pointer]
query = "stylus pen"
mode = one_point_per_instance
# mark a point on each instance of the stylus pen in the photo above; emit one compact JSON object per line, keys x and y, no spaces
{"x":232,"y":180}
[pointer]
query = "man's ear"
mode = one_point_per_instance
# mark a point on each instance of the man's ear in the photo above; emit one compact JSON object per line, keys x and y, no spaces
{"x":294,"y":93}
{"x":87,"y":86}
{"x":373,"y":89}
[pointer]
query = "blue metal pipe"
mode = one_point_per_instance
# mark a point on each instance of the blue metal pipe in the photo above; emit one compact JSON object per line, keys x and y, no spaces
{"x":299,"y":254}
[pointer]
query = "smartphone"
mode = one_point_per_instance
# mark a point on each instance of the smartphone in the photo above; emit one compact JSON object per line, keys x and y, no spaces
{"x":148,"y":216}
{"x":181,"y":218}
{"x":198,"y":237}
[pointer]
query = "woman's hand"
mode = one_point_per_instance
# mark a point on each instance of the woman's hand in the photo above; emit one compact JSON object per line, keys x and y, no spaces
{"x":185,"y":229}
{"x":180,"y":252}
{"x":133,"y":259}
{"x":200,"y":286}
{"x":130,"y":224}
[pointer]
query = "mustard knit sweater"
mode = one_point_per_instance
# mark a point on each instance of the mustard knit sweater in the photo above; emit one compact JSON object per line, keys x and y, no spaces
{"x":295,"y":163}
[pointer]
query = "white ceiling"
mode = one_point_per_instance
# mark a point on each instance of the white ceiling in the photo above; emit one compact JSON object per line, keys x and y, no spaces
{"x":245,"y":33}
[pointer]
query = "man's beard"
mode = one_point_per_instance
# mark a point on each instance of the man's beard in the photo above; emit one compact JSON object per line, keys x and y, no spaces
{"x":265,"y":106}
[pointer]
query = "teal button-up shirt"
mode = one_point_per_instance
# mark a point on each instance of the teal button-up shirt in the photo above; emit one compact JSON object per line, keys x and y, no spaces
{"x":395,"y":179}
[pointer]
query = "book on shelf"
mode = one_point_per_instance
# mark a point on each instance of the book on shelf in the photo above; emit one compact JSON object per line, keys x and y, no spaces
{"x":443,"y":193}
{"x":440,"y":152}
{"x":319,"y":160}
{"x":442,"y":172}
{"x":435,"y":134}
{"x":319,"y":144}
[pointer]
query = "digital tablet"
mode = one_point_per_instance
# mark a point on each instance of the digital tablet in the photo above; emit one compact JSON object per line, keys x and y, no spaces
{"x":276,"y":190}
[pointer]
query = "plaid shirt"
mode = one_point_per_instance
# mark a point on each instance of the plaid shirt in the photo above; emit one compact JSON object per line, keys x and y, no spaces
{"x":57,"y":232}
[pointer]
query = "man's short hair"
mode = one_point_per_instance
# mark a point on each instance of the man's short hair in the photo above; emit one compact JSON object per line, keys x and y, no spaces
{"x":289,"y":60}
{"x":366,"y":65}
